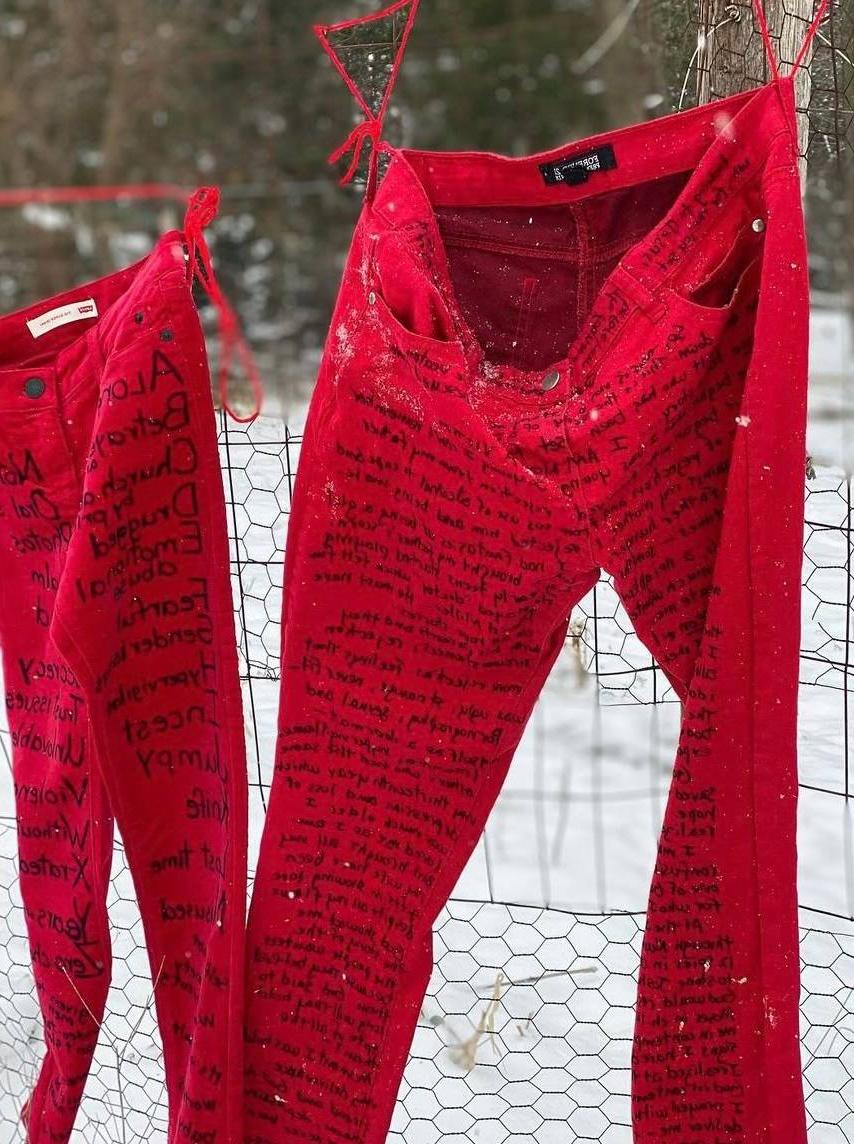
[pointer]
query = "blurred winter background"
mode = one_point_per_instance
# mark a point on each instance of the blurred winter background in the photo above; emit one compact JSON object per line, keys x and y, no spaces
{"x":525,"y":1034}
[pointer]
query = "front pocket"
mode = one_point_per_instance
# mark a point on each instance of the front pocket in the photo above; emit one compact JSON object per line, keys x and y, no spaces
{"x":409,"y":303}
{"x":732,"y":277}
{"x":412,"y":326}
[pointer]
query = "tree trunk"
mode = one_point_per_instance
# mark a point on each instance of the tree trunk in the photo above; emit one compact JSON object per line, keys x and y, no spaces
{"x":732,"y":56}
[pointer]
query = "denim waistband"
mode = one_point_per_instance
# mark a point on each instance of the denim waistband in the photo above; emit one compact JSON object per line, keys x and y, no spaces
{"x":125,"y":302}
{"x":726,"y":145}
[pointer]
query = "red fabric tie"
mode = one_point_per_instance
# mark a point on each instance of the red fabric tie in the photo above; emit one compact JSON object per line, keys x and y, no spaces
{"x":372,"y":126}
{"x":355,"y":141}
{"x":201,"y":210}
{"x":812,"y":31}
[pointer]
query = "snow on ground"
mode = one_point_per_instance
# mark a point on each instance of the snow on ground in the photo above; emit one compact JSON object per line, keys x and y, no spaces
{"x":574,"y":830}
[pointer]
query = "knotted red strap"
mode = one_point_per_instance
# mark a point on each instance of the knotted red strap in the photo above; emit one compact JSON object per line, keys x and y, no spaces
{"x":371,"y":128}
{"x":201,"y":210}
{"x":355,"y":141}
{"x":811,"y":32}
{"x":759,"y":8}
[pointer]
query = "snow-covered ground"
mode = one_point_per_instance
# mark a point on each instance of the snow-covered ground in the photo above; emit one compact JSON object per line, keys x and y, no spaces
{"x":571,"y":839}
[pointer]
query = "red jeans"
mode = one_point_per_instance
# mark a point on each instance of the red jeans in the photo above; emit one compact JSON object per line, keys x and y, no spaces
{"x":120,"y":670}
{"x":464,"y":479}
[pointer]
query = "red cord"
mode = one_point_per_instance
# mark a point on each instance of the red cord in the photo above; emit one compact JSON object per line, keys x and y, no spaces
{"x":811,"y":32}
{"x":355,"y":141}
{"x":201,"y":210}
{"x":759,"y":8}
{"x":23,"y":196}
{"x":372,"y":126}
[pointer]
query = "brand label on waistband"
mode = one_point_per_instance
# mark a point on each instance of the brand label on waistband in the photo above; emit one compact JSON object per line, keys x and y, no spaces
{"x":72,"y":312}
{"x":578,"y":168}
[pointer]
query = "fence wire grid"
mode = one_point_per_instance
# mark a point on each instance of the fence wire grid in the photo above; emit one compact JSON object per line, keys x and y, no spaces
{"x":525,"y":1032}
{"x":526,"y":1028}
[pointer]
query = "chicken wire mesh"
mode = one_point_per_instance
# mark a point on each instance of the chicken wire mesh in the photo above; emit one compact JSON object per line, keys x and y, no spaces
{"x":526,"y":1028}
{"x":525,"y":1032}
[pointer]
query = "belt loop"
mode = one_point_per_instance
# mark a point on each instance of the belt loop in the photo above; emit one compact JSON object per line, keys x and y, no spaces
{"x":640,"y":293}
{"x":371,"y":273}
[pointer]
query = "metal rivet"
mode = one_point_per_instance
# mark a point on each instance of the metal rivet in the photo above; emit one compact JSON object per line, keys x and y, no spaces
{"x":139,"y":317}
{"x":166,"y":335}
{"x":758,"y":225}
{"x":34,"y":387}
{"x":372,"y":297}
{"x":551,"y":379}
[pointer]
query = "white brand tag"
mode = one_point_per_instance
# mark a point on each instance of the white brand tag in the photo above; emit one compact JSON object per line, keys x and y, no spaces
{"x":73,"y":312}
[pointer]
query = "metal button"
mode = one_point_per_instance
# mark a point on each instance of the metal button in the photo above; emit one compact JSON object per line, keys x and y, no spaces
{"x":551,"y":379}
{"x":34,"y":387}
{"x":166,"y":335}
{"x":758,"y":225}
{"x":372,"y":297}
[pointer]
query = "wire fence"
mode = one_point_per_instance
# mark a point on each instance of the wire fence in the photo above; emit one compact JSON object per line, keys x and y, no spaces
{"x":525,"y":1032}
{"x":526,"y":1028}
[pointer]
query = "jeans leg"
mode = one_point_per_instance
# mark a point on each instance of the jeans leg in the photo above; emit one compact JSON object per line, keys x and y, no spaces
{"x":428,"y":585}
{"x":65,"y":826}
{"x":144,"y":617}
{"x":708,"y":567}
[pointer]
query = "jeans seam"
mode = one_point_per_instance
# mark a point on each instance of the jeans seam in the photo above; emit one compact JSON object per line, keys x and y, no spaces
{"x":238,"y":939}
{"x":517,"y":711}
{"x":751,"y":704}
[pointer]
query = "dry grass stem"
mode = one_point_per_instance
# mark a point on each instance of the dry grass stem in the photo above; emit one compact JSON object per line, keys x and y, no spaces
{"x":465,"y":1052}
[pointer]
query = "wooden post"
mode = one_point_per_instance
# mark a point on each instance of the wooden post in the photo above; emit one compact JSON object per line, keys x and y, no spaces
{"x":732,"y":57}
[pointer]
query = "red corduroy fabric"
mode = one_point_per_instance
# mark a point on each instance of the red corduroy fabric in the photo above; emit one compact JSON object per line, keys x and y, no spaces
{"x":529,"y":379}
{"x":121,"y":680}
